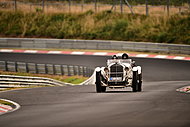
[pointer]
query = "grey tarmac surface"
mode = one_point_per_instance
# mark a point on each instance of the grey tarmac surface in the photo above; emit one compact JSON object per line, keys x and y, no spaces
{"x":153,"y":69}
{"x":159,"y":105}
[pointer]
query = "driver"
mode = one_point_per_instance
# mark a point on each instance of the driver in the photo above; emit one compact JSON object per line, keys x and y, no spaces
{"x":114,"y":57}
{"x":125,"y":56}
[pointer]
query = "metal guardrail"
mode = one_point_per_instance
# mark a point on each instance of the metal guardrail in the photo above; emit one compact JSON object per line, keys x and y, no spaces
{"x":32,"y":43}
{"x":53,"y":69}
{"x":7,"y":81}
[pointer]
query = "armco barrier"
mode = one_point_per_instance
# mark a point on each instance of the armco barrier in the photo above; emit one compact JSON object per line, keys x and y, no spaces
{"x":31,"y":43}
{"x":23,"y":81}
{"x":69,"y":70}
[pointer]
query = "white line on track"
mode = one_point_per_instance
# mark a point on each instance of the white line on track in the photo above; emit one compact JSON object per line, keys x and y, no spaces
{"x":6,"y":50}
{"x":100,"y":53}
{"x":77,"y":53}
{"x":30,"y":51}
{"x":141,"y":55}
{"x":54,"y":52}
{"x":179,"y":57}
{"x":160,"y":56}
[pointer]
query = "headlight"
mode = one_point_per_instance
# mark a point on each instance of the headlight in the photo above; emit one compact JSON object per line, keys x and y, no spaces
{"x":106,"y":70}
{"x":126,"y":69}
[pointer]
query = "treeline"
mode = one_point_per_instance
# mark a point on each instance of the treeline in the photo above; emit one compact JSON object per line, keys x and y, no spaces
{"x":105,"y":25}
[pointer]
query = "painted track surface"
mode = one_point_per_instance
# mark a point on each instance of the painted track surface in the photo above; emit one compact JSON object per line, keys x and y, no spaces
{"x":4,"y":108}
{"x":93,"y":53}
{"x":159,"y":105}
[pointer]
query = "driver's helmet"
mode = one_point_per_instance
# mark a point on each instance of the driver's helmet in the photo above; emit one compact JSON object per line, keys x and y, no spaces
{"x":114,"y":57}
{"x":125,"y":56}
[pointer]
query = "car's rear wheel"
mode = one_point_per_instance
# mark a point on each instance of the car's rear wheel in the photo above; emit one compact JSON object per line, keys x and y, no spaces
{"x":99,"y":87}
{"x":134,"y":82}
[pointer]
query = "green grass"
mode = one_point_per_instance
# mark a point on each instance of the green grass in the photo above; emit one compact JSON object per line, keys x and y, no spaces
{"x":74,"y":80}
{"x":105,"y":25}
{"x":5,"y":102}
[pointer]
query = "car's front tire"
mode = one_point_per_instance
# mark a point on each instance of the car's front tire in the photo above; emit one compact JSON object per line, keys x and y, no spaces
{"x":134,"y":82}
{"x":99,"y":87}
{"x":139,"y":83}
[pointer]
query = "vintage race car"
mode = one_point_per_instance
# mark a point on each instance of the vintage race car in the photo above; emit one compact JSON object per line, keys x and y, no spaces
{"x":119,"y":73}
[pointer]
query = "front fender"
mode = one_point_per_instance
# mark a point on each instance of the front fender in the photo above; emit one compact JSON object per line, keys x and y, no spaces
{"x":138,"y":69}
{"x":101,"y":70}
{"x":97,"y":69}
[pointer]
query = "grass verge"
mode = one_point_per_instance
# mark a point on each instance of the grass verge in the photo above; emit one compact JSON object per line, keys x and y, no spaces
{"x":5,"y":102}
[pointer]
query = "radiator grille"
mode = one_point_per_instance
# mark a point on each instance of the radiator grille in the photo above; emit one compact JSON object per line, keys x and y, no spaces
{"x":116,"y":70}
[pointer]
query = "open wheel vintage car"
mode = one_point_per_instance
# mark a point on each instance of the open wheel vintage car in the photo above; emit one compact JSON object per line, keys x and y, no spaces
{"x":119,"y":73}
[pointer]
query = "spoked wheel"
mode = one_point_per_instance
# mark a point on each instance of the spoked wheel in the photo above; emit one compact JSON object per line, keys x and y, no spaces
{"x":135,"y":82}
{"x":139,"y":89}
{"x":99,"y":87}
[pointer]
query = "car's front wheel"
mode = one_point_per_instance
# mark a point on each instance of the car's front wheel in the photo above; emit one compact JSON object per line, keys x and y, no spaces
{"x":99,"y":87}
{"x":139,"y":83}
{"x":135,"y":82}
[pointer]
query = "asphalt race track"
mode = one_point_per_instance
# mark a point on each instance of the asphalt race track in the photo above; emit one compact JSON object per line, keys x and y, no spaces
{"x":159,"y":105}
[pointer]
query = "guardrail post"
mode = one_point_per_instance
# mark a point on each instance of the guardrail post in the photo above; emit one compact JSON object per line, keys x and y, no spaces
{"x":78,"y":68}
{"x":16,"y":67}
{"x":27,"y":70}
{"x":61,"y":67}
{"x":36,"y":68}
{"x":74,"y":70}
{"x":69,"y":73}
{"x":46,"y":70}
{"x":65,"y":69}
{"x":64,"y":73}
{"x":54,"y":69}
{"x":6,"y":67}
{"x":87,"y":72}
{"x":83,"y":72}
